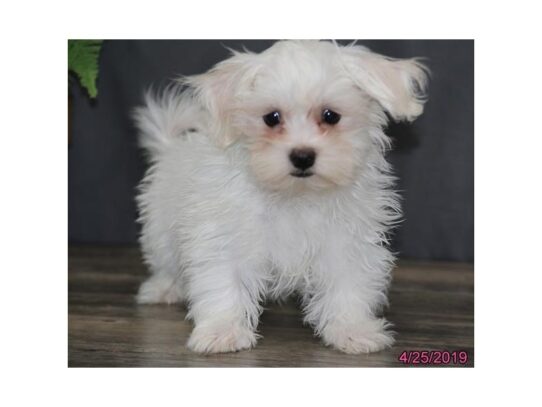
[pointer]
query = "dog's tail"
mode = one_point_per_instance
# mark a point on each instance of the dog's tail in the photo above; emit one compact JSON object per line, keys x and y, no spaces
{"x":165,"y":116}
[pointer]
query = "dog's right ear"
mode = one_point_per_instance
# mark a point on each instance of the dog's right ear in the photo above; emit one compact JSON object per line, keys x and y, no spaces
{"x":220,"y":90}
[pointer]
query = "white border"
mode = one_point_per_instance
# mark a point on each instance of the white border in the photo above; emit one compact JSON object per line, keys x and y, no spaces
{"x":33,"y":166}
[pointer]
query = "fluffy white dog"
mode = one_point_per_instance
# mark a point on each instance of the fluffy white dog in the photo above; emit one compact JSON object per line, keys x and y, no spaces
{"x":268,"y":177}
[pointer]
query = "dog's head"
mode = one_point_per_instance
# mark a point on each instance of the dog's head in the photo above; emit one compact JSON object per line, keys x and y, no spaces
{"x":309,"y":111}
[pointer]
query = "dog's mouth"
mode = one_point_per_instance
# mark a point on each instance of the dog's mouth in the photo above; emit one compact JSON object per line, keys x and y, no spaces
{"x":301,"y":174}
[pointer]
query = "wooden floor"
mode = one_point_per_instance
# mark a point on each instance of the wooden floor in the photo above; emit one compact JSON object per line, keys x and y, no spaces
{"x":431,"y":306}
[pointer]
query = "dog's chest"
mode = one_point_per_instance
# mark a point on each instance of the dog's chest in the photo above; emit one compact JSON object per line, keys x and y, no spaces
{"x":294,"y":235}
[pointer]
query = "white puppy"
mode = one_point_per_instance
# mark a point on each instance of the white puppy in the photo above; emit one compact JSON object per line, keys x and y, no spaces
{"x":268,"y":177}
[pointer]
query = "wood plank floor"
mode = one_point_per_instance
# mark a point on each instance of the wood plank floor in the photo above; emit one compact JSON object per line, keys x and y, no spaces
{"x":431,"y":306}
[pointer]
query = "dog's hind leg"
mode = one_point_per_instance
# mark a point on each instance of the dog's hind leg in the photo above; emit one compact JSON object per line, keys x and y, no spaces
{"x":161,"y":288}
{"x":166,"y":284}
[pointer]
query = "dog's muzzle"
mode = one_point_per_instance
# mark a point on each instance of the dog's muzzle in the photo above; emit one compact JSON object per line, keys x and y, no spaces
{"x":302,"y":159}
{"x":301,"y":174}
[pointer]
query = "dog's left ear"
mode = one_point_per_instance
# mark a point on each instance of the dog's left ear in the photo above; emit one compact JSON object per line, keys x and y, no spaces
{"x":221,"y":89}
{"x":398,"y":85}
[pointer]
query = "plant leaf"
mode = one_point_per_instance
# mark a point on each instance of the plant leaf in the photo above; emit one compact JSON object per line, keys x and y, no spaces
{"x":83,"y":61}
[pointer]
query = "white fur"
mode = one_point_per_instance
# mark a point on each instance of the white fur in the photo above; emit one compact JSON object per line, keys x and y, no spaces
{"x":226,"y":225}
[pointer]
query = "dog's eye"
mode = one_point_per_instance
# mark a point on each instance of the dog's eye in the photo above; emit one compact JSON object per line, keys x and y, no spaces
{"x":272,"y":119}
{"x":330,"y":117}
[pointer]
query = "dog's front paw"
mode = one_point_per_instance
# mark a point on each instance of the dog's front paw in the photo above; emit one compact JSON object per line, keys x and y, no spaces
{"x":220,"y":338}
{"x":368,"y":336}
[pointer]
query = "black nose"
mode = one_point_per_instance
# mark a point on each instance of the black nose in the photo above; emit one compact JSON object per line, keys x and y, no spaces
{"x":302,"y":158}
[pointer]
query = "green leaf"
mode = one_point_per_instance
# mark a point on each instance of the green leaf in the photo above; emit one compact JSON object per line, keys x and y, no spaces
{"x":83,"y":61}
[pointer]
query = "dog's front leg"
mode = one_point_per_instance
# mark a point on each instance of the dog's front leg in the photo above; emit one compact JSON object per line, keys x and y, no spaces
{"x":347,"y":287}
{"x":224,"y":305}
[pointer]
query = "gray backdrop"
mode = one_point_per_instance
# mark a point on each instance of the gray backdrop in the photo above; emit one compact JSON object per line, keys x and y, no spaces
{"x":433,"y":157}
